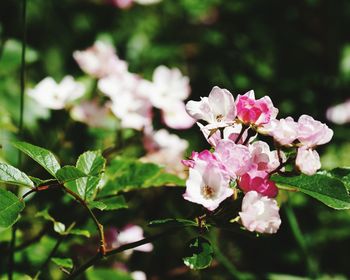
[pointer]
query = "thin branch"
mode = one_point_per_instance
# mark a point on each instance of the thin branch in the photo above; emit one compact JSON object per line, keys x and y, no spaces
{"x":52,"y":253}
{"x":120,"y":249}
{"x":102,"y":247}
{"x":243,"y":129}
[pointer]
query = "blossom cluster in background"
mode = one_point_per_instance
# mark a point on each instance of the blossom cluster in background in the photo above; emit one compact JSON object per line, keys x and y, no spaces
{"x":129,"y":97}
{"x":231,"y":127}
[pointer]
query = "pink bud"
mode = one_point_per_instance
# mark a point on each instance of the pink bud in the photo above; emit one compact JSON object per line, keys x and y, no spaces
{"x":252,"y":111}
{"x":258,"y":181}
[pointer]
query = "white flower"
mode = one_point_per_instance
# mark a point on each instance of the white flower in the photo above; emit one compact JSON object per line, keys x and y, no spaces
{"x":138,"y":275}
{"x":218,"y":109}
{"x":168,"y":85}
{"x":339,"y":114}
{"x":308,"y":161}
{"x":207,"y":184}
{"x":52,"y":95}
{"x":175,"y":116}
{"x":100,"y":60}
{"x":134,"y":110}
{"x":260,"y":213}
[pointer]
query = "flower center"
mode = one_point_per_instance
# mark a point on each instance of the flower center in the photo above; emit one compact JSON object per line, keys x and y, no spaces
{"x":208,"y":192}
{"x":219,"y":118}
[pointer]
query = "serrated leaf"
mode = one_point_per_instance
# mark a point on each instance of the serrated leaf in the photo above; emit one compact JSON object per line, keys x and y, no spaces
{"x":91,"y":163}
{"x":13,"y":176}
{"x":200,"y":253}
{"x":128,"y":174}
{"x":172,"y":222}
{"x":42,"y":156}
{"x":97,"y":204}
{"x":10,"y":207}
{"x":111,"y":203}
{"x":343,"y":174}
{"x":329,"y":190}
{"x":105,"y":273}
{"x":63,"y":262}
{"x":69,"y":173}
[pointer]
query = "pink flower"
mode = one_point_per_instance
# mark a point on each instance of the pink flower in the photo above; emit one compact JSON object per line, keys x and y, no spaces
{"x":312,"y":133}
{"x":122,"y":4}
{"x":203,"y":155}
{"x":218,"y":109}
{"x":208,"y":182}
{"x":91,"y":113}
{"x":258,"y":181}
{"x":235,"y":157}
{"x":262,"y":158}
{"x":284,"y":131}
{"x":308,"y":161}
{"x":252,"y":111}
{"x":260,"y":213}
{"x":100,"y":60}
{"x":339,"y":114}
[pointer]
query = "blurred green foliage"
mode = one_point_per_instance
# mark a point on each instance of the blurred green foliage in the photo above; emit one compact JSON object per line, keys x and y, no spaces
{"x":297,"y":52}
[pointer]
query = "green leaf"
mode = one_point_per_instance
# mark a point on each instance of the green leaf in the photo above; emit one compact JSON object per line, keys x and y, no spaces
{"x":97,"y":204}
{"x":63,"y":262}
{"x":105,"y":273}
{"x":200,"y":254}
{"x":91,"y":163}
{"x":69,"y":173}
{"x":11,"y":56}
{"x":40,"y":182}
{"x":13,"y":176}
{"x":172,"y":222}
{"x":342,"y":173}
{"x":10,"y":207}
{"x":329,"y":190}
{"x":162,"y":179}
{"x":128,"y":174}
{"x":42,"y":156}
{"x":112,"y":203}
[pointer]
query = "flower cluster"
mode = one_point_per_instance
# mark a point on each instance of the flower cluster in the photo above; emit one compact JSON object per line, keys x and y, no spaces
{"x":231,"y":127}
